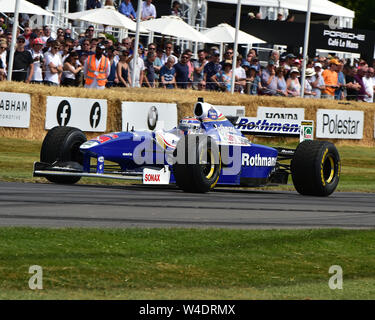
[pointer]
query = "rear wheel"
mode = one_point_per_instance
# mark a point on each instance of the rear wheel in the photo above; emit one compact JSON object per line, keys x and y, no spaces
{"x":61,"y":144}
{"x":316,"y":168}
{"x":198,"y":163}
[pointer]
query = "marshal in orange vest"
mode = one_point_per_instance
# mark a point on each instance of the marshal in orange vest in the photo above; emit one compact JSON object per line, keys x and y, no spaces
{"x":97,"y":73}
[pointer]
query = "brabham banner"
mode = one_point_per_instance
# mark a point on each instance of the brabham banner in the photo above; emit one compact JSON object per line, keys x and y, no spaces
{"x":339,"y":124}
{"x":148,"y":116}
{"x":89,"y":115}
{"x":15,"y":110}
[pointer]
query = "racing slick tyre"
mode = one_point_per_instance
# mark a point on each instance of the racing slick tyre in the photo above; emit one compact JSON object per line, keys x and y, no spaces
{"x":61,"y":144}
{"x":198,"y":163}
{"x":316,"y":168}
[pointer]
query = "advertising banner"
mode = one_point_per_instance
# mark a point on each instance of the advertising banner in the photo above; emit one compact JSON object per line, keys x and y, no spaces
{"x":15,"y":110}
{"x":89,"y":115}
{"x":339,"y":124}
{"x":148,"y":116}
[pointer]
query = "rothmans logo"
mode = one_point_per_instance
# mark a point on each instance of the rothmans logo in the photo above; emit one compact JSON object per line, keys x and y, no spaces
{"x":258,"y":161}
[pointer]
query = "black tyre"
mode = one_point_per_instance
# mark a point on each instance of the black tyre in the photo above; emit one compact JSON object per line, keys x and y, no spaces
{"x":198,"y":163}
{"x":316,"y":168}
{"x":61,"y":144}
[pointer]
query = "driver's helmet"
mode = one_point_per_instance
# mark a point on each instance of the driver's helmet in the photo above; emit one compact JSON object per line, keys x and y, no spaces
{"x":189,"y":125}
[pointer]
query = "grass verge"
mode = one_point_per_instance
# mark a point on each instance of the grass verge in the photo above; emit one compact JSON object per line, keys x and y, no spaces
{"x":17,"y":158}
{"x":186,"y":263}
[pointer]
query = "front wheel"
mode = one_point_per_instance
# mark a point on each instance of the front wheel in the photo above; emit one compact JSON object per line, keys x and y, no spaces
{"x":61,"y":144}
{"x":316,"y":168}
{"x":198,"y":164}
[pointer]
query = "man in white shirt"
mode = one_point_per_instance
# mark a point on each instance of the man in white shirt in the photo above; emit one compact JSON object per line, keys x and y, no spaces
{"x":37,"y":54}
{"x":369,"y":85}
{"x":148,"y":10}
{"x":53,"y":64}
{"x":240,"y":76}
{"x":317,"y":81}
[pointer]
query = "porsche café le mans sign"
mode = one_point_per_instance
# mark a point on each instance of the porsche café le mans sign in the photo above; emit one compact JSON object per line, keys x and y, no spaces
{"x":15,"y":110}
{"x":89,"y":115}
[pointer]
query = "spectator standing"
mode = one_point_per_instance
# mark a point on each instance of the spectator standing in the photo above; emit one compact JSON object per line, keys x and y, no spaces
{"x":198,"y":68}
{"x":23,"y":62}
{"x":26,"y":34}
{"x":168,"y":53}
{"x":149,"y":72}
{"x":228,"y":55}
{"x":46,"y":34}
{"x":38,"y":57}
{"x":3,"y":56}
{"x":340,"y":92}
{"x":148,"y":10}
{"x":176,"y":11}
{"x":71,"y":69}
{"x":140,"y":67}
{"x":254,"y":81}
{"x":240,"y":76}
{"x":167,"y":74}
{"x":330,"y":77}
{"x":275,"y":56}
{"x":93,"y":4}
{"x":369,"y":85}
{"x":211,"y":69}
{"x":293,"y":84}
{"x":223,"y":79}
{"x":308,"y":90}
{"x":157,"y":63}
{"x":97,"y":69}
{"x":352,"y":86}
{"x":112,"y":78}
{"x":281,"y":83}
{"x":269,"y":80}
{"x":359,"y":78}
{"x":317,"y":81}
{"x":53,"y":65}
{"x":127,"y":9}
{"x":122,"y":70}
{"x":182,"y":72}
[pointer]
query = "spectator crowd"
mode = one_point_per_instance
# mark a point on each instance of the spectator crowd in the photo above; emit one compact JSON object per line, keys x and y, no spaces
{"x":102,"y":61}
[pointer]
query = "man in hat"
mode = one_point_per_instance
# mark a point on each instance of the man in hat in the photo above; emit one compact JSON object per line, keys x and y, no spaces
{"x":23,"y":63}
{"x":331,"y":77}
{"x":37,"y":54}
{"x":211,"y":69}
{"x":317,"y":81}
{"x":97,"y":69}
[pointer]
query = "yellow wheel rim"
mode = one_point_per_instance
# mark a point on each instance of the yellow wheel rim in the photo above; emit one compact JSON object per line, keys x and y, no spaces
{"x":332,"y":172}
{"x":212,"y":162}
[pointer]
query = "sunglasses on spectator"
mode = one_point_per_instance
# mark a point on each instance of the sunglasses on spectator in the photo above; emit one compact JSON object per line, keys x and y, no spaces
{"x":185,"y":57}
{"x":168,"y":47}
{"x":56,"y":48}
{"x":3,"y":47}
{"x":229,"y":52}
{"x":152,"y":48}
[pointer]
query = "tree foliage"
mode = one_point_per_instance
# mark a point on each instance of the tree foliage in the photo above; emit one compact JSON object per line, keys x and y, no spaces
{"x":364,"y":12}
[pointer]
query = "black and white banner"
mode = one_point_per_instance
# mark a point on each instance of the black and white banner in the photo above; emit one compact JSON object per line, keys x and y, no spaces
{"x":15,"y":110}
{"x":148,"y":116}
{"x":289,"y":114}
{"x":339,"y":124}
{"x":89,"y":115}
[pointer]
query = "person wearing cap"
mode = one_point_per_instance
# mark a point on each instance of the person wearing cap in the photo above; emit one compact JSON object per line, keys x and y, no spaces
{"x":211,"y":69}
{"x":38,"y":56}
{"x":289,"y":59}
{"x":330,"y":77}
{"x":23,"y":62}
{"x":53,"y":65}
{"x":317,"y":81}
{"x":293,"y":84}
{"x":269,"y":80}
{"x":97,"y":69}
{"x":254,"y":81}
{"x":308,"y":91}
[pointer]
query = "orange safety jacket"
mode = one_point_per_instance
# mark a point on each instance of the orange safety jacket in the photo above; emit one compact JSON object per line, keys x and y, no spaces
{"x":97,"y":73}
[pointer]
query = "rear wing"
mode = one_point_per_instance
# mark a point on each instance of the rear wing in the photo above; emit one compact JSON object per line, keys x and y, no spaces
{"x":274,"y":127}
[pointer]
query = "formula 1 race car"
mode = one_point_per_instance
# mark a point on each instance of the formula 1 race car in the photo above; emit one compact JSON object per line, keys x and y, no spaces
{"x":204,"y":151}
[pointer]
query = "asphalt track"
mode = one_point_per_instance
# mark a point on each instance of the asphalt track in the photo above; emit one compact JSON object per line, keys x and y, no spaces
{"x":50,"y":205}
